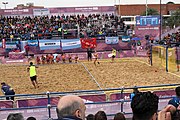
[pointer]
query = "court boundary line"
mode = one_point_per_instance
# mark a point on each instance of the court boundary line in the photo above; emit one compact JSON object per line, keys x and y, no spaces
{"x":93,"y":78}
{"x":142,"y":62}
{"x":174,"y":74}
{"x":150,"y":65}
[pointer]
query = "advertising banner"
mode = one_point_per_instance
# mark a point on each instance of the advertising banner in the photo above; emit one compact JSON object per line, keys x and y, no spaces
{"x":125,"y":38}
{"x":10,"y":45}
{"x":32,"y":42}
{"x":49,"y":44}
{"x":111,"y":40}
{"x":6,"y":104}
{"x":147,"y":20}
{"x":41,"y":12}
{"x":70,"y":44}
{"x":88,"y":43}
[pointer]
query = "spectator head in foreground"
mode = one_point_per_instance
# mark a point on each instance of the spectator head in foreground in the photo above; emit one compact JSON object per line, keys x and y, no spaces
{"x":144,"y":106}
{"x":100,"y":115}
{"x":71,"y":107}
{"x":31,"y":118}
{"x":15,"y":116}
{"x":90,"y":117}
{"x":174,"y":104}
{"x":119,"y":116}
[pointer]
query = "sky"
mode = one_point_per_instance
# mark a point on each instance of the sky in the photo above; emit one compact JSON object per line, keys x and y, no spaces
{"x":78,"y":3}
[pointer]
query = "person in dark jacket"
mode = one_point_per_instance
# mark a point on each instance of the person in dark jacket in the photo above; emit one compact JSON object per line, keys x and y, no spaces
{"x":71,"y":107}
{"x":7,"y":90}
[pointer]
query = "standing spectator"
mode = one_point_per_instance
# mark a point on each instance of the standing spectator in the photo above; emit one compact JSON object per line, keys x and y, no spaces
{"x":89,"y":53}
{"x":7,"y":90}
{"x":27,"y":50}
{"x":100,"y":115}
{"x":15,"y":116}
{"x":144,"y":106}
{"x":71,"y":107}
{"x":119,"y":116}
{"x":135,"y":91}
{"x":32,"y":70}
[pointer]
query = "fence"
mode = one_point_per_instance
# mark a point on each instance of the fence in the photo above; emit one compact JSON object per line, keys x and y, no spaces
{"x":43,"y":106}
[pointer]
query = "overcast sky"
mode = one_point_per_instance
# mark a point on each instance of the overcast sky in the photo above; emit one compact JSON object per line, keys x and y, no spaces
{"x":76,"y":3}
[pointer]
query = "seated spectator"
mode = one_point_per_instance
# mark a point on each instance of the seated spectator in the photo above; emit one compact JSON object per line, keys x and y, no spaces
{"x":76,"y":58}
{"x":70,"y":58}
{"x":31,"y":118}
{"x":90,"y":117}
{"x":38,"y":60}
{"x":100,"y":115}
{"x":175,"y":104}
{"x":63,"y":56}
{"x":71,"y":107}
{"x":144,"y":106}
{"x":15,"y":116}
{"x":7,"y":90}
{"x":119,"y":116}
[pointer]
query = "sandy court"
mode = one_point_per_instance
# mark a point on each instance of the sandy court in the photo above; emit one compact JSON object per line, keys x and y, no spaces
{"x":71,"y":77}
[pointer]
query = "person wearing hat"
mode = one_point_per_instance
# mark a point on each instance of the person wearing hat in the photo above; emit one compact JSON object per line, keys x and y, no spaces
{"x":7,"y":90}
{"x":32,"y":71}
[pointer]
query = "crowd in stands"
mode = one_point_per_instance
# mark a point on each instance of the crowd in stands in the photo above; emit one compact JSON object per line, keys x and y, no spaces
{"x":171,"y":39}
{"x":27,"y":28}
{"x":144,"y":106}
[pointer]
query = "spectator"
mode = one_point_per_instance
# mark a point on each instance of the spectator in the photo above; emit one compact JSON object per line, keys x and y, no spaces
{"x":89,"y":53}
{"x":175,"y":104}
{"x":15,"y":116}
{"x":31,"y":118}
{"x":135,"y":91}
{"x":119,"y":116}
{"x":76,"y":58}
{"x":144,"y":106}
{"x":100,"y":115}
{"x":7,"y":90}
{"x":90,"y":117}
{"x":71,"y":108}
{"x":165,"y":114}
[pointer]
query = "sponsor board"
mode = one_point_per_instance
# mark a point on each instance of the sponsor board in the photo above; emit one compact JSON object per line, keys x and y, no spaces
{"x":32,"y":42}
{"x":70,"y":44}
{"x":49,"y":44}
{"x":111,"y":40}
{"x":126,"y":38}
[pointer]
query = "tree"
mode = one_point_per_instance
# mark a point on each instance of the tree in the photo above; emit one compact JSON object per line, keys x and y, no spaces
{"x":150,"y":11}
{"x":174,"y":19}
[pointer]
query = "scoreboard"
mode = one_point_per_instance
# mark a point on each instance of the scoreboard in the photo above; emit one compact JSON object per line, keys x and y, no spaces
{"x":147,"y":20}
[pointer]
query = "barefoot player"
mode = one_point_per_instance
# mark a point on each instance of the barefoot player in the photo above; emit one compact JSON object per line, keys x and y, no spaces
{"x":32,"y":71}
